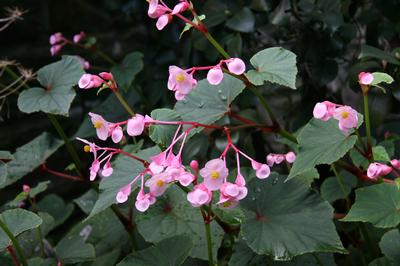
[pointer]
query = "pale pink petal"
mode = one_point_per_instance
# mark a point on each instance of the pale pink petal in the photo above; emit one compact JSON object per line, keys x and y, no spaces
{"x":215,"y":76}
{"x":236,"y":66}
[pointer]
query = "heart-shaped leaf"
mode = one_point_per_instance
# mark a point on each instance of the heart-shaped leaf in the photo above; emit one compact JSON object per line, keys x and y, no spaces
{"x":125,"y":73}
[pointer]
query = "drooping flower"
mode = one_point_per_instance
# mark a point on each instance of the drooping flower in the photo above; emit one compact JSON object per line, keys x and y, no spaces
{"x":117,"y":134}
{"x":107,"y":169}
{"x":55,"y":49}
{"x":135,"y":125}
{"x":262,"y":170}
{"x":378,"y":169}
{"x":179,"y":8}
{"x":290,"y":157}
{"x":56,"y":38}
{"x":123,"y":193}
{"x":365,"y":78}
{"x":324,"y":111}
{"x":348,"y":118}
{"x":94,"y":169}
{"x":101,"y":125}
{"x":88,"y":81}
{"x":215,"y":75}
{"x":157,"y":12}
{"x":200,"y":195}
{"x":180,"y":82}
{"x":163,"y":21}
{"x":236,"y":66}
{"x":143,"y":201}
{"x":214,"y":174}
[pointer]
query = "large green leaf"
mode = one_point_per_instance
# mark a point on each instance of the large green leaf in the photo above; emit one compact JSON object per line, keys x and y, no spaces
{"x":56,"y":207}
{"x":57,"y":95}
{"x":320,"y":142}
{"x":285,"y":219}
{"x":125,"y":169}
{"x":370,"y":51}
{"x":73,"y":249}
{"x":208,"y":103}
{"x":17,"y":221}
{"x":377,"y":204}
{"x":30,"y":156}
{"x":242,"y":21}
{"x":275,"y":65}
{"x":390,"y":245}
{"x":125,"y":73}
{"x":86,"y":201}
{"x":163,"y":134}
{"x":171,"y":251}
{"x":173,"y":215}
{"x":333,"y":189}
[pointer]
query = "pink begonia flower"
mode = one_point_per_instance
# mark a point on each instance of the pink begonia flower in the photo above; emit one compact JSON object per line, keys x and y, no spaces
{"x":172,"y":173}
{"x":157,"y":184}
{"x":181,"y":82}
{"x":135,"y":125}
{"x":214,"y":174}
{"x":324,"y":111}
{"x":56,"y":38}
{"x":395,"y":163}
{"x":101,"y":125}
{"x":117,"y":134}
{"x":262,"y":170}
{"x":378,"y":169}
{"x":124,"y":193}
{"x":107,"y":169}
{"x":106,"y":75}
{"x":158,"y":12}
{"x":348,"y":118}
{"x":26,"y":188}
{"x":94,"y":169}
{"x":215,"y":75}
{"x":230,"y":191}
{"x":55,"y":49}
{"x":199,"y":196}
{"x":143,"y":201}
{"x":153,"y":4}
{"x":236,"y":66}
{"x":78,"y":37}
{"x":290,"y":157}
{"x":365,"y":78}
{"x":88,"y":81}
{"x":270,"y":160}
{"x":163,"y":21}
{"x":182,"y":6}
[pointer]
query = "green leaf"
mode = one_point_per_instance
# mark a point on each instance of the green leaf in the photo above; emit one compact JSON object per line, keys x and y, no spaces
{"x":208,"y":103}
{"x":39,"y":188}
{"x":370,"y":51}
{"x":72,"y":249}
{"x":242,"y":21}
{"x":320,"y":142}
{"x":275,"y":65}
{"x":172,"y":251}
{"x":125,"y":73}
{"x":173,"y":215}
{"x":57,"y":95}
{"x":390,"y":244}
{"x":285,"y":219}
{"x":17,"y":221}
{"x":42,"y":262}
{"x":189,"y":26}
{"x":163,"y":134}
{"x":56,"y":207}
{"x":86,"y":201}
{"x":380,"y":77}
{"x":107,"y":259}
{"x":30,"y":156}
{"x":6,"y":156}
{"x":125,"y":169}
{"x":332,"y":190}
{"x":377,"y":204}
{"x":380,"y":154}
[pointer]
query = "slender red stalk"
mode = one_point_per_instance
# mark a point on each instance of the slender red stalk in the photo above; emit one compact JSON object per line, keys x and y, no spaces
{"x":11,"y":251}
{"x":60,"y":174}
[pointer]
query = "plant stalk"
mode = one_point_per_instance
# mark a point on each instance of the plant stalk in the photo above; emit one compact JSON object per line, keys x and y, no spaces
{"x":106,"y":57}
{"x":15,"y":243}
{"x":367,"y":125}
{"x":209,"y":243}
{"x":124,"y":103}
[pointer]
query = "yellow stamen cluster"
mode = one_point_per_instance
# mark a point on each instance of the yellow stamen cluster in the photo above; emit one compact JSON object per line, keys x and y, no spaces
{"x":159,"y":183}
{"x":345,"y":115}
{"x":180,"y":77}
{"x":214,"y":175}
{"x":97,"y":124}
{"x":86,"y":148}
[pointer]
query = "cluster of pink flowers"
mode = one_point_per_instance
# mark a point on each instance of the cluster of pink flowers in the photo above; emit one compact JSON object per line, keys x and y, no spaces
{"x":58,"y":41}
{"x":376,"y":170}
{"x":347,"y":116}
{"x":274,"y":158}
{"x":166,"y":167}
{"x":181,"y":81}
{"x":164,"y":15}
{"x":104,"y":79}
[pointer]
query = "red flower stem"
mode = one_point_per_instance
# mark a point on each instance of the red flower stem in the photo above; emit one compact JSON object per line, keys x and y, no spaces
{"x":63,"y":175}
{"x":144,"y":162}
{"x":11,"y":250}
{"x":339,"y":216}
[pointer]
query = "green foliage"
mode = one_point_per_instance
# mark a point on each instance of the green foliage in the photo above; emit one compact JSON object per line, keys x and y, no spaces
{"x":56,"y":207}
{"x":163,"y":134}
{"x":332,"y":189}
{"x":125,"y":73}
{"x":377,"y":204}
{"x":56,"y":95}
{"x":390,"y":244}
{"x":284,"y":220}
{"x":73,"y":249}
{"x":275,"y":65}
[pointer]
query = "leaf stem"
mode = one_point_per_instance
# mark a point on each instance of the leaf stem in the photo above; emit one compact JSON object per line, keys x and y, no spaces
{"x":15,"y":243}
{"x":209,"y":242}
{"x":367,"y":126}
{"x":124,"y":103}
{"x":105,"y":57}
{"x":339,"y":179}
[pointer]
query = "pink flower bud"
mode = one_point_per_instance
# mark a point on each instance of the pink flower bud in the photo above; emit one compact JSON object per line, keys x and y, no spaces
{"x":135,"y":125}
{"x":56,"y":38}
{"x":94,"y":169}
{"x":199,"y":196}
{"x":182,"y":6}
{"x":158,"y":12}
{"x":96,"y":81}
{"x":395,"y":163}
{"x":26,"y":188}
{"x":324,"y":111}
{"x":377,"y":169}
{"x":263,"y":172}
{"x":194,"y":164}
{"x":279,"y":158}
{"x":55,"y":49}
{"x":290,"y":157}
{"x":365,"y":78}
{"x":78,"y":37}
{"x":215,"y":75}
{"x":84,"y":81}
{"x":163,"y":21}
{"x":153,"y":4}
{"x":123,"y":193}
{"x":106,"y":75}
{"x":107,"y":169}
{"x":270,"y":160}
{"x":236,"y":66}
{"x":117,"y":134}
